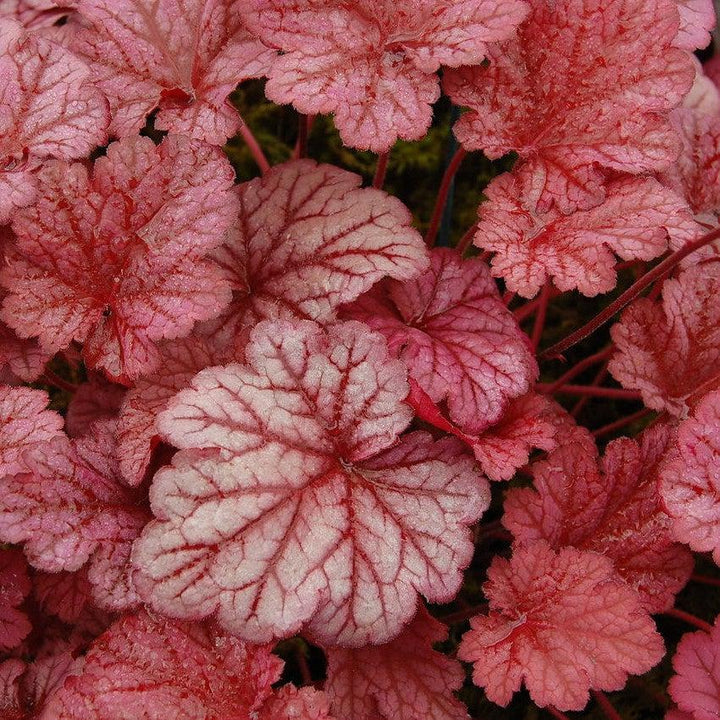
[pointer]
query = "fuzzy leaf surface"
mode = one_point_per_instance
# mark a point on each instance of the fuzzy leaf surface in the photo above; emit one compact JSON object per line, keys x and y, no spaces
{"x":690,"y":478}
{"x":559,"y":95}
{"x":309,"y":238}
{"x":459,"y":341}
{"x":114,"y":259}
{"x":563,"y":623}
{"x":612,"y":507}
{"x":162,"y":668}
{"x":577,"y":251}
{"x":182,"y":57}
{"x":48,"y":108}
{"x":670,"y":350}
{"x":293,"y":500}
{"x":403,"y":680}
{"x":373,"y":63}
{"x":14,"y":586}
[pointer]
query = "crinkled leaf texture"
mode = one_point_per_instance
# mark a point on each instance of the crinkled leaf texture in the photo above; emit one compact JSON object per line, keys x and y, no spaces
{"x":94,"y":400}
{"x":183,"y":57}
{"x":48,"y":108}
{"x":611,"y":507}
{"x":63,"y":594}
{"x":373,"y":62}
{"x":697,"y":19}
{"x":114,"y":259}
{"x":164,"y":669}
{"x":14,"y":586}
{"x":24,"y":423}
{"x":457,"y":338}
{"x":564,"y":623}
{"x":577,"y":251}
{"x":696,"y":685}
{"x":70,"y":508}
{"x":670,"y":351}
{"x":403,"y":680}
{"x":560,"y":95}
{"x":309,"y":238}
{"x":291,"y":703}
{"x":690,"y":478}
{"x":293,"y":500}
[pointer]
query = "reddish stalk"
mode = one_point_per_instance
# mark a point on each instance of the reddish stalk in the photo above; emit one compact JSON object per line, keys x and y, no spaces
{"x":524,"y":311}
{"x":613,"y":426}
{"x":303,"y":666}
{"x":608,"y":710}
{"x":556,"y":713}
{"x":254,"y":147}
{"x":705,"y":580}
{"x":302,"y":138}
{"x":50,"y":378}
{"x":689,"y":618}
{"x":590,"y":391}
{"x":466,"y":240}
{"x":657,"y":273}
{"x":445,"y":185}
{"x":579,"y":367}
{"x":465,"y":614}
{"x":508,"y":297}
{"x":381,"y":170}
{"x":597,"y":380}
{"x":540,"y":316}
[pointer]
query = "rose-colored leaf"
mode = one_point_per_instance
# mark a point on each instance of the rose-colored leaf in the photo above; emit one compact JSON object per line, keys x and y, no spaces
{"x":528,"y":422}
{"x":24,"y":423}
{"x":373,"y":63}
{"x":577,"y":251}
{"x":611,"y":507}
{"x":63,"y":594}
{"x":23,"y":358}
{"x":696,"y":685}
{"x":563,"y":623}
{"x":14,"y":586}
{"x":48,"y":108}
{"x":183,"y":57}
{"x":10,"y":673}
{"x":690,"y":478}
{"x":180,"y":361}
{"x":163,"y":669}
{"x":308,"y":239}
{"x":291,"y":703}
{"x":670,"y":351}
{"x":293,"y":499}
{"x":403,"y":680}
{"x":33,"y":14}
{"x":458,"y":339}
{"x":114,"y":259}
{"x":70,"y":507}
{"x":560,"y":95}
{"x":697,"y":19}
{"x":94,"y":400}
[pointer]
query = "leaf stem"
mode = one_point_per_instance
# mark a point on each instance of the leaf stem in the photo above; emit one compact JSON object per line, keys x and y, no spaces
{"x":381,"y":170}
{"x":50,"y":378}
{"x":689,"y":618}
{"x":622,"y":422}
{"x":540,"y":316}
{"x":608,"y":710}
{"x":445,"y":185}
{"x":466,"y":240}
{"x":254,"y":147}
{"x":590,"y":391}
{"x":579,"y":367}
{"x":556,"y":713}
{"x":657,"y":273}
{"x":302,"y":138}
{"x":705,"y":580}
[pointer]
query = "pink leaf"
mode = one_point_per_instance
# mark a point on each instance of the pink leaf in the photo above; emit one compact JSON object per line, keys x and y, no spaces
{"x":697,"y":19}
{"x":24,"y":423}
{"x":696,"y":685}
{"x":181,"y":360}
{"x":94,"y":400}
{"x":14,"y":586}
{"x":690,"y":478}
{"x":114,"y":259}
{"x":70,"y":508}
{"x":294,"y":500}
{"x":10,"y":704}
{"x":459,"y":341}
{"x":183,"y":58}
{"x":671,"y":351}
{"x":64,"y":594}
{"x":611,"y":507}
{"x":49,"y":108}
{"x":578,"y":251}
{"x":162,"y":669}
{"x":403,"y":680}
{"x":291,"y":703}
{"x":559,"y":94}
{"x":561,"y":622}
{"x":33,"y":14}
{"x":309,"y":239}
{"x":373,"y":64}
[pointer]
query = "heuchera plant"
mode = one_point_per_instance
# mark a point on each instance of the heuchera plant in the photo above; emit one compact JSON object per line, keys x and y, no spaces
{"x":268,"y":453}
